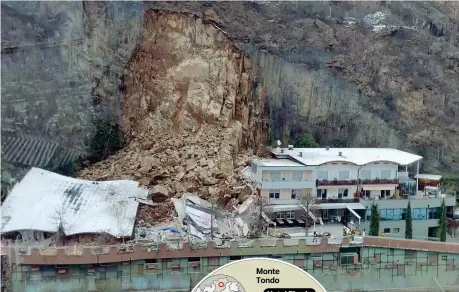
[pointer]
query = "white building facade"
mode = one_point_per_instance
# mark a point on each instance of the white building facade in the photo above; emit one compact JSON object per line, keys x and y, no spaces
{"x":343,"y":182}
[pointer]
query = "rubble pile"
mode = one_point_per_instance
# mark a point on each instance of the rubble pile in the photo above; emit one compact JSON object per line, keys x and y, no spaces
{"x":204,"y":162}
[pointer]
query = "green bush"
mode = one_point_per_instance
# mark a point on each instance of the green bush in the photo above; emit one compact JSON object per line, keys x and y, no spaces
{"x":107,"y":139}
{"x":305,"y":140}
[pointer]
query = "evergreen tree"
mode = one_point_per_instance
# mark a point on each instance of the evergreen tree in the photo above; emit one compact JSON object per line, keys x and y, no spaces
{"x":442,"y":222}
{"x":374,"y":220}
{"x":408,"y":222}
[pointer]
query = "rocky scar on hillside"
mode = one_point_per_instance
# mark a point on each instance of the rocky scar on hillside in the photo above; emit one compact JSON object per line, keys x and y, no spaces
{"x":191,"y":115}
{"x":378,"y":74}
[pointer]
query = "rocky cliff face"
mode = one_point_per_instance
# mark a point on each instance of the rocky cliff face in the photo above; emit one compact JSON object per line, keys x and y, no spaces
{"x":61,"y":64}
{"x":190,"y":112}
{"x":348,"y":73}
{"x":353,"y":73}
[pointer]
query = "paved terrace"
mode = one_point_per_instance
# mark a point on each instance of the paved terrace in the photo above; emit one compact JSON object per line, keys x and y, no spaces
{"x":112,"y":254}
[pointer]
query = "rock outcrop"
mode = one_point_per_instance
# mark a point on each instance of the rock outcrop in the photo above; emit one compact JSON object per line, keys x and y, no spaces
{"x":362,"y":74}
{"x":192,"y":115}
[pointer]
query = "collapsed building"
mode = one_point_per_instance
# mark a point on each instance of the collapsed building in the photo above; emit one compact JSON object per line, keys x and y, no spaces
{"x":45,"y":207}
{"x":44,"y":203}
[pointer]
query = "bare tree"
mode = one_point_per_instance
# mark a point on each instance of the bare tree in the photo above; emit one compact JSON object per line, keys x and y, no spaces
{"x":59,"y":219}
{"x":259,"y":223}
{"x":311,"y":206}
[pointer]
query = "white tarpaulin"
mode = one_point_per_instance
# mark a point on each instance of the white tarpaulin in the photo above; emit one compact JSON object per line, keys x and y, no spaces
{"x":46,"y":201}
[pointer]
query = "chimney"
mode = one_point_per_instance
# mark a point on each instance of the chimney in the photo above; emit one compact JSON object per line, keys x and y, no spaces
{"x":301,"y":154}
{"x":282,"y":150}
{"x":340,"y":153}
{"x":327,"y":148}
{"x":290,"y":147}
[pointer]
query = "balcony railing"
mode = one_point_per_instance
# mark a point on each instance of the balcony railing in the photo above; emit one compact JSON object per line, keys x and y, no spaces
{"x":379,"y":181}
{"x":350,"y":182}
{"x":338,"y":200}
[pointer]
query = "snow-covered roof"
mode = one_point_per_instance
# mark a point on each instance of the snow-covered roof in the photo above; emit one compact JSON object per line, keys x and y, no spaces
{"x":44,"y":200}
{"x":276,"y":162}
{"x":358,"y":156}
{"x":428,"y":176}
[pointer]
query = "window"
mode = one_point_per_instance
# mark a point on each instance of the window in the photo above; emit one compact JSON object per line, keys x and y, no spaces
{"x":321,"y":193}
{"x":410,"y":254}
{"x":396,"y":230}
{"x":366,"y":193}
{"x":293,"y":194}
{"x":432,"y":213}
{"x":419,"y":214}
{"x":386,"y":230}
{"x":297,"y":175}
{"x":322,"y":175}
{"x":290,"y":215}
{"x":280,"y":215}
{"x":343,"y":174}
{"x":342,"y":193}
{"x":274,"y":194}
{"x":385,"y":174}
{"x":385,"y":193}
{"x":365,"y":174}
{"x":392,"y":214}
{"x":275,"y":176}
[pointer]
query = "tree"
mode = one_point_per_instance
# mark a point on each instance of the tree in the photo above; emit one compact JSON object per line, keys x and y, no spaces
{"x":310,"y":205}
{"x":258,"y":224}
{"x":442,"y":222}
{"x":374,"y":220}
{"x":59,"y":219}
{"x":408,"y":223}
{"x":305,"y":140}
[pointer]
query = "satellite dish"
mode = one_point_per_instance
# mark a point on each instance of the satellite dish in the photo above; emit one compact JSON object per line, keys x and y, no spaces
{"x":279,"y":143}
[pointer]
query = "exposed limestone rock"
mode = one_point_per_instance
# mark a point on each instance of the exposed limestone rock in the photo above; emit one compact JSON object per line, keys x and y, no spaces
{"x":186,"y":112}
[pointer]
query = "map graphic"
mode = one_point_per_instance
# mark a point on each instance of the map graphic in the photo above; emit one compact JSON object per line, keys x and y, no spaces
{"x":220,"y":283}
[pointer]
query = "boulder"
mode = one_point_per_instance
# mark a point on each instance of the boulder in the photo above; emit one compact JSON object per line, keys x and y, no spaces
{"x":159,"y":193}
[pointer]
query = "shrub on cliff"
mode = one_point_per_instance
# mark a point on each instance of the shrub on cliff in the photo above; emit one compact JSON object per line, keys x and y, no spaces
{"x":107,"y":139}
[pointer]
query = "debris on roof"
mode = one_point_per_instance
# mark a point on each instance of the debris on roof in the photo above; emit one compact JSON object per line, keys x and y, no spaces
{"x":46,"y":201}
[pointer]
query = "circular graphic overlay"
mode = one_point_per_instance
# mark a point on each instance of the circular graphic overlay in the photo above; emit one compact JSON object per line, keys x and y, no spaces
{"x":259,"y":275}
{"x":219,"y":283}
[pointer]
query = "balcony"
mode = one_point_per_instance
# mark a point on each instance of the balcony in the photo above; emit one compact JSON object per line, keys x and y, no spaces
{"x":351,"y":182}
{"x":379,"y":181}
{"x":337,"y":200}
{"x":287,"y":184}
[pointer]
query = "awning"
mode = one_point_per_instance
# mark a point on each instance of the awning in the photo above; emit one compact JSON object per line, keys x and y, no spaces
{"x":352,"y":211}
{"x":279,"y":208}
{"x":356,"y":206}
{"x":328,"y":206}
{"x":428,"y":176}
{"x":378,"y":187}
{"x":314,"y":218}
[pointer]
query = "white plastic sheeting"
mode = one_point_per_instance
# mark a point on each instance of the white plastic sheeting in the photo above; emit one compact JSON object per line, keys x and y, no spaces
{"x":46,"y":201}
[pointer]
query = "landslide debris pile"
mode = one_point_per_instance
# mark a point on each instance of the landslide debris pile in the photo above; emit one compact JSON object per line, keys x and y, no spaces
{"x":171,"y":164}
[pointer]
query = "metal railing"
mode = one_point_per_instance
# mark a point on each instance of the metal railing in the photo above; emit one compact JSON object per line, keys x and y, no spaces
{"x":338,"y":200}
{"x":348,"y":182}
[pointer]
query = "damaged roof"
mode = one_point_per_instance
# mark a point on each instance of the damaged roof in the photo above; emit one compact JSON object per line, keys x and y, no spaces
{"x":44,"y":201}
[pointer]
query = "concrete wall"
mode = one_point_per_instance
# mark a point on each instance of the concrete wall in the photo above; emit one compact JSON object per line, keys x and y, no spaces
{"x":415,"y":203}
{"x":378,"y":268}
